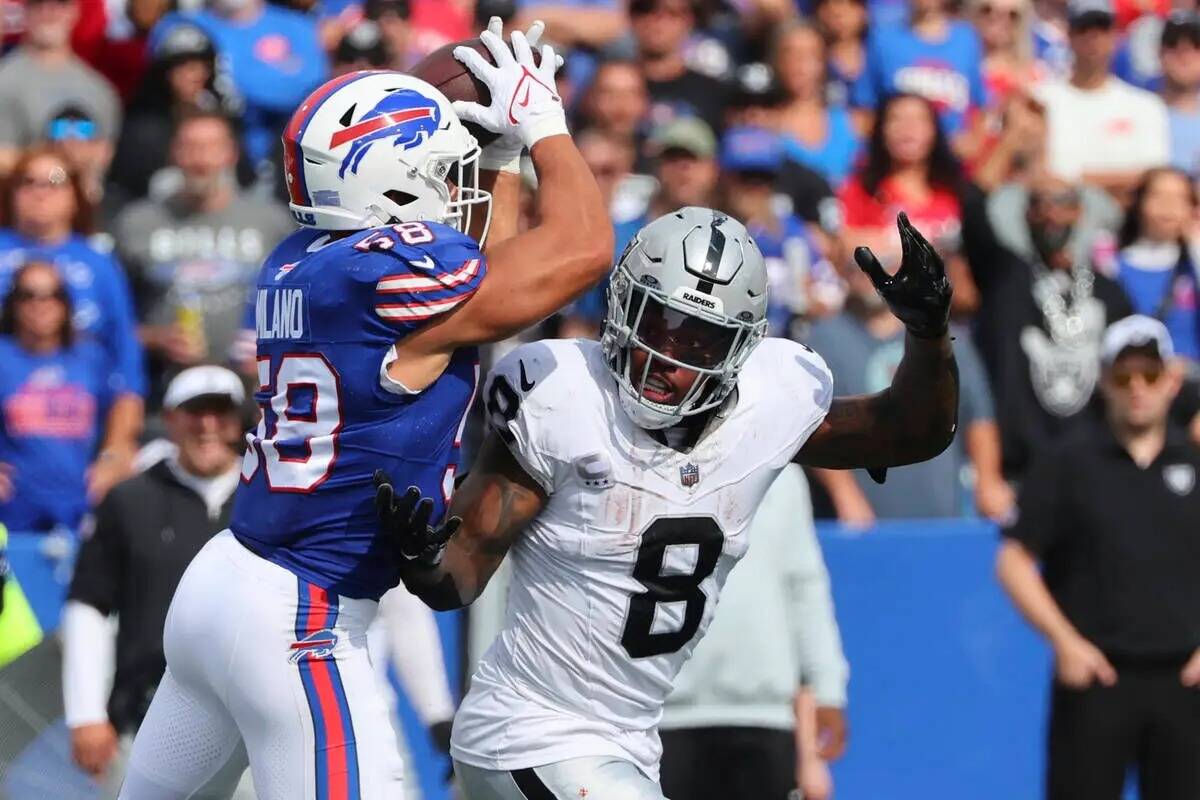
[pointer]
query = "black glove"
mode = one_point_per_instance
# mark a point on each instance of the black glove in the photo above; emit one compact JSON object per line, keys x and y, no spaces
{"x":406,"y":521}
{"x":919,"y":293}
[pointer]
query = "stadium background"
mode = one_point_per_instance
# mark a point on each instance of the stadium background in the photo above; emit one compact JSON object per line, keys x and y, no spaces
{"x":769,"y":109}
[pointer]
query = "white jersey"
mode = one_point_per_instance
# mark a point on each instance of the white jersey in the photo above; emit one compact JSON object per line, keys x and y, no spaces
{"x":617,"y":578}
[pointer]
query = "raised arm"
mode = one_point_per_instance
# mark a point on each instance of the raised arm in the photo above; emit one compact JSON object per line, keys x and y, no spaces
{"x":532,"y":274}
{"x":448,"y":567}
{"x":915,"y":418}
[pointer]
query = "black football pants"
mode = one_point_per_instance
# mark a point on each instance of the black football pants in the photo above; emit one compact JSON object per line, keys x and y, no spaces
{"x":728,"y":764}
{"x":1147,"y":721}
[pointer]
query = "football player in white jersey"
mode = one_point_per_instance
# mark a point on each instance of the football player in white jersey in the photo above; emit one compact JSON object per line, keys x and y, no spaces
{"x":623,"y":476}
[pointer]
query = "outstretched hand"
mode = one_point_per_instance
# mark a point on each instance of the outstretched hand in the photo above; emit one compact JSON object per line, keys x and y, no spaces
{"x":406,"y":522}
{"x":919,"y":293}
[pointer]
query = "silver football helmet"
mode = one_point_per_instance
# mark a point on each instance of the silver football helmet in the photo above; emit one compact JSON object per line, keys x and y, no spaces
{"x":690,"y":290}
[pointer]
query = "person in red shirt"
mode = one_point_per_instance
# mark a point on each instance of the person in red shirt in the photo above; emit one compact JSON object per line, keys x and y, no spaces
{"x":909,"y":167}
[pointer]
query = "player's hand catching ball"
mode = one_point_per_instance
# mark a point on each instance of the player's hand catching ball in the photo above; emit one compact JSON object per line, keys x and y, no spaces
{"x":919,"y":293}
{"x":406,"y":522}
{"x":524,"y":99}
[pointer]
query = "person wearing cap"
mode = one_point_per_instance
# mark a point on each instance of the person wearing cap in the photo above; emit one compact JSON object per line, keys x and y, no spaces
{"x":1180,"y":59}
{"x":1100,"y":129}
{"x":1102,"y":560}
{"x":74,"y":132}
{"x":802,"y":281}
{"x":361,"y":47}
{"x":146,"y":532}
{"x":43,"y":74}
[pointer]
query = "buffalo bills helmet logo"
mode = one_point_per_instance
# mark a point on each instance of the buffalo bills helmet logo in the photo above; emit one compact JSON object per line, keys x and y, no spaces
{"x":405,"y":116}
{"x":316,"y":645}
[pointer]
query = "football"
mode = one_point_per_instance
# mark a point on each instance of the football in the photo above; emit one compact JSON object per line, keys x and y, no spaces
{"x":448,"y":75}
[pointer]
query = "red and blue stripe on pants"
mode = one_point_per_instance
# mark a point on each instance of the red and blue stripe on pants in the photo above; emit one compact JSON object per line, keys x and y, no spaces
{"x":336,"y":754}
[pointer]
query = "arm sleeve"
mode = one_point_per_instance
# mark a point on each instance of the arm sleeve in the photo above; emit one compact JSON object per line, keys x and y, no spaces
{"x":806,"y":392}
{"x":99,"y":568}
{"x":1036,"y":525}
{"x":823,"y":666}
{"x":89,"y":656}
{"x":416,"y":649}
{"x":520,"y":396}
{"x":417,"y":283}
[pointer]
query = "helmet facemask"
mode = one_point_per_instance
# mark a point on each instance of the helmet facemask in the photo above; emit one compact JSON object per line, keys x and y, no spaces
{"x":642,"y":317}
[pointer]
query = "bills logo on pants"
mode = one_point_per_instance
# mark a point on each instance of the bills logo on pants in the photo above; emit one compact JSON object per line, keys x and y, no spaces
{"x":312,"y":653}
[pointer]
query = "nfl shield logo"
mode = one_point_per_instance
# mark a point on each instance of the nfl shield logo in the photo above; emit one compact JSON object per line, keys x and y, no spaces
{"x":689,"y":474}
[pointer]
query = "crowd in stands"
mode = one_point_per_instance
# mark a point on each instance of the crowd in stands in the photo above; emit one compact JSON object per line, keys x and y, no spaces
{"x":1049,"y":149}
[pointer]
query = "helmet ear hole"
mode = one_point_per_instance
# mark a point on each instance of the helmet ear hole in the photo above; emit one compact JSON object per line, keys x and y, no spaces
{"x":400,"y":198}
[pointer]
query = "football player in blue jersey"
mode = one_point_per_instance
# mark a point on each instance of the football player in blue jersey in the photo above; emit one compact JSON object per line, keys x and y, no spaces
{"x":367,"y":320}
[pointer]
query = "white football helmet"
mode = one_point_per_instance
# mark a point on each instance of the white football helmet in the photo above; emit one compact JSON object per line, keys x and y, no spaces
{"x":690,"y":290}
{"x":376,"y":147}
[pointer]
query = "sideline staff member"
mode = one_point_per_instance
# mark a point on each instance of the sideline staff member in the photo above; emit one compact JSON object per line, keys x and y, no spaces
{"x":1114,"y":519}
{"x":147,"y":531}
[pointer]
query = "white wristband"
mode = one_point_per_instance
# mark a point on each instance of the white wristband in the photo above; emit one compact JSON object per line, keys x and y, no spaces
{"x":505,"y":161}
{"x":537,"y":128}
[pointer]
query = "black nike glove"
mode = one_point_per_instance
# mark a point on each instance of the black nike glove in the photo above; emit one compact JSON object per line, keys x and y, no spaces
{"x":919,"y":293}
{"x":406,"y":522}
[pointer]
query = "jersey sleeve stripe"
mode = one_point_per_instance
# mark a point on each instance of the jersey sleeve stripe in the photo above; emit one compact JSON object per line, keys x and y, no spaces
{"x":398,"y":284}
{"x":421,"y":310}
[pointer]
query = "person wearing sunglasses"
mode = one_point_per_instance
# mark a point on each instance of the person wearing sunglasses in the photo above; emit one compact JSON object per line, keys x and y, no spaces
{"x":55,"y":390}
{"x":74,"y":131}
{"x":1102,"y":561}
{"x":43,"y":74}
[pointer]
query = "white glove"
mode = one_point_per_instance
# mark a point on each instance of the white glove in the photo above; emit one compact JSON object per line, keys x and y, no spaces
{"x":524,"y":100}
{"x":504,"y":154}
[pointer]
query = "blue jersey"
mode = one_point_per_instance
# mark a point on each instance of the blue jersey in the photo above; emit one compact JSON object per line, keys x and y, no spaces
{"x":100,"y":296}
{"x":52,"y":407}
{"x":327,"y":314}
{"x":945,"y":72}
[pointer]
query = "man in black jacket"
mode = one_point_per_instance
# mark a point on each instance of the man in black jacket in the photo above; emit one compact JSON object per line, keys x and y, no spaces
{"x":147,"y":531}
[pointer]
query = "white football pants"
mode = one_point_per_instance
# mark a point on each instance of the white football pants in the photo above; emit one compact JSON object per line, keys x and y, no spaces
{"x":596,"y":778}
{"x":260,"y":656}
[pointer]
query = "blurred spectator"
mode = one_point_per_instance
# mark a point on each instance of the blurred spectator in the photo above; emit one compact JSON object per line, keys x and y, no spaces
{"x":1050,"y":41}
{"x":584,"y":24}
{"x":909,"y":167}
{"x":362,"y":47}
{"x":1156,"y":265}
{"x":55,"y":391}
{"x":843,"y":23}
{"x":42,"y":75}
{"x":76,"y":135}
{"x":193,"y":257}
{"x":1008,"y":62}
{"x":819,"y":136}
{"x":616,"y":102}
{"x":147,"y":531}
{"x":46,"y":215}
{"x":112,"y":38}
{"x":182,"y":76}
{"x":685,"y":172}
{"x":1018,"y":150}
{"x":863,"y":346}
{"x":934,"y":56}
{"x":1040,"y":326}
{"x":801,"y":281}
{"x":730,"y":727}
{"x":1102,"y":562}
{"x":611,"y":159}
{"x":661,"y":28}
{"x":1126,"y":127}
{"x":392,"y":18}
{"x":1181,"y":89}
{"x":274,"y":57}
